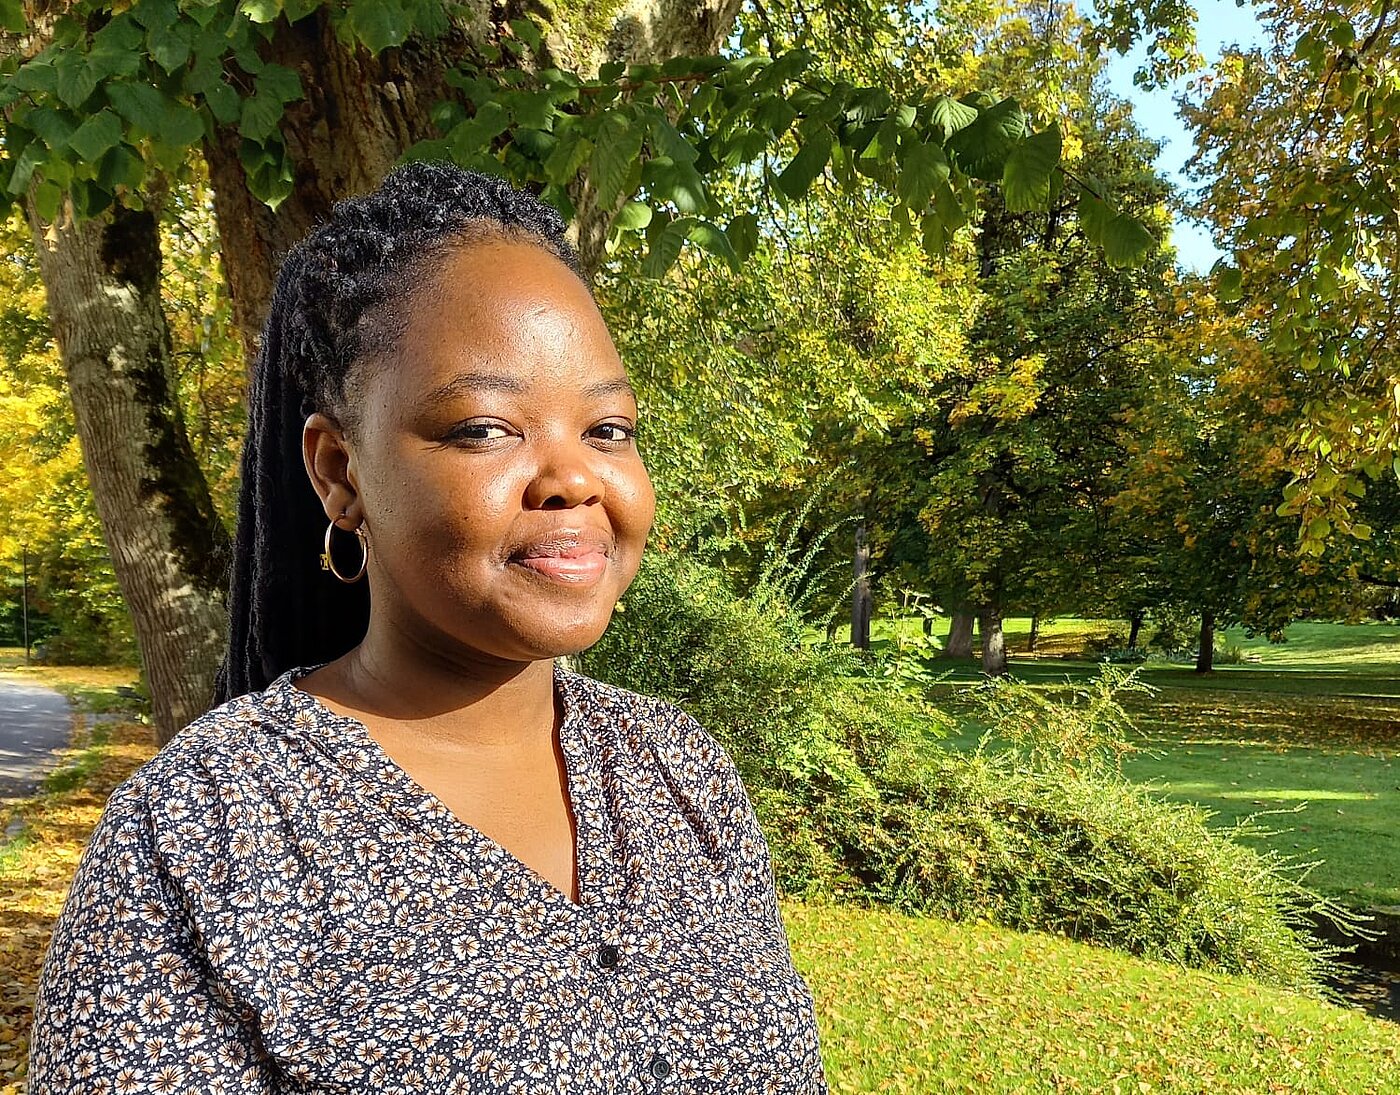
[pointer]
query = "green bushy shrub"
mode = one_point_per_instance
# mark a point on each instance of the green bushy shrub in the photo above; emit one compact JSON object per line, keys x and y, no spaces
{"x":860,"y":802}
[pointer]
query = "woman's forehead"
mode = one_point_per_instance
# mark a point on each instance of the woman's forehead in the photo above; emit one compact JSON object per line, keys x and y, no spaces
{"x":506,"y":316}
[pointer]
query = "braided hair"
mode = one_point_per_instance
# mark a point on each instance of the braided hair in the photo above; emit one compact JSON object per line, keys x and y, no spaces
{"x":343,"y":296}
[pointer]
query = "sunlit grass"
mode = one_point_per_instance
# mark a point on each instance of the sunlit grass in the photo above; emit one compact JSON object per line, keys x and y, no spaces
{"x":923,"y":1006}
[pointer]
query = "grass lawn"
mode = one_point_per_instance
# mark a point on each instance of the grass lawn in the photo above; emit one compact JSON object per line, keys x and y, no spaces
{"x":904,"y":1005}
{"x":923,"y":1006}
{"x":1312,"y":727}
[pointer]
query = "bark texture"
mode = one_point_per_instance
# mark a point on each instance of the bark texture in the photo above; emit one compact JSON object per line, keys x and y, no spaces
{"x":860,"y":592}
{"x":993,"y":641}
{"x":1205,"y":655}
{"x":358,"y":116}
{"x":361,"y":113}
{"x":959,"y":644}
{"x":167,"y":545}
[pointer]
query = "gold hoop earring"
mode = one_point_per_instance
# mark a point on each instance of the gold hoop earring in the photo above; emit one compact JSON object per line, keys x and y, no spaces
{"x":328,"y":564}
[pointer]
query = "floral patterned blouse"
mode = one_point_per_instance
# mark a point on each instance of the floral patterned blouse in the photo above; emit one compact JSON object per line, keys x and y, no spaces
{"x":273,"y":905}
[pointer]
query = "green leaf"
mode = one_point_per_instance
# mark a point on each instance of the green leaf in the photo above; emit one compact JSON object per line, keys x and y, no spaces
{"x":1094,"y":215}
{"x":280,"y":82}
{"x":46,"y":198}
{"x":36,"y":75}
{"x":710,"y":237}
{"x":261,"y":11}
{"x":527,"y":32}
{"x":920,"y":169}
{"x":1025,"y":180}
{"x":121,"y":167}
{"x":667,"y":141}
{"x":534,"y":144}
{"x":743,"y":235}
{"x":96,"y":135}
{"x":633,"y":216}
{"x":140,"y":104}
{"x":88,"y":198}
{"x":615,"y":156}
{"x":54,"y":126}
{"x":1228,"y":280}
{"x":169,"y":44}
{"x":1125,"y":240}
{"x":664,"y":242}
{"x":154,"y":13}
{"x":949,"y":115}
{"x":259,"y":116}
{"x":379,"y":24}
{"x":23,"y":170}
{"x":981,"y":148}
{"x":116,"y":48}
{"x":570,"y":154}
{"x":268,"y":170}
{"x":678,"y":183}
{"x":775,"y":114}
{"x":810,"y":161}
{"x":940,"y":225}
{"x":224,"y":102}
{"x":12,"y":16}
{"x":75,"y":79}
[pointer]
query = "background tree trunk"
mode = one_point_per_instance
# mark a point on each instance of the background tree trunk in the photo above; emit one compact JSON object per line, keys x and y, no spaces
{"x":1205,"y":657}
{"x":959,"y":644}
{"x":1035,"y":633}
{"x":1134,"y":627}
{"x":860,"y":592}
{"x":168,"y":548}
{"x":993,"y":641}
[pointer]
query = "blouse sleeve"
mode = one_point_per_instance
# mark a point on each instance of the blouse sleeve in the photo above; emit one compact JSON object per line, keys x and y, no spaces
{"x":125,"y":1000}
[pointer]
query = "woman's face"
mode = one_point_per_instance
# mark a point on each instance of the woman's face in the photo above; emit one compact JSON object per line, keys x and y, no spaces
{"x":494,"y":463}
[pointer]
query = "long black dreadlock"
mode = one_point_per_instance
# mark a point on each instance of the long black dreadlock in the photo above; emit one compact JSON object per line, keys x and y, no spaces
{"x":342,"y":296}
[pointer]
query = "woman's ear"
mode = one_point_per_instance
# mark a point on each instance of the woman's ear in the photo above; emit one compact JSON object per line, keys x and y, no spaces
{"x":330,"y":462}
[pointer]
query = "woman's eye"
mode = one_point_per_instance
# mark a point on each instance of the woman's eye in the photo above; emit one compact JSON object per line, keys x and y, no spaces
{"x":615,"y":431}
{"x":477,"y":431}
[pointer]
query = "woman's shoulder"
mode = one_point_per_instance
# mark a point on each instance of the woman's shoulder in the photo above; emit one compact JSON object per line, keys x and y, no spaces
{"x":665,"y":728}
{"x":229,"y":743}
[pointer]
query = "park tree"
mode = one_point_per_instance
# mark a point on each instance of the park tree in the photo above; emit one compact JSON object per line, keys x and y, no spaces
{"x":1207,"y":468}
{"x":1297,"y":142}
{"x":1020,"y":444}
{"x":620,"y":115}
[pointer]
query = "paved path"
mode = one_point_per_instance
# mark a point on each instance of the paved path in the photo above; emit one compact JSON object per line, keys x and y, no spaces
{"x":34,"y":721}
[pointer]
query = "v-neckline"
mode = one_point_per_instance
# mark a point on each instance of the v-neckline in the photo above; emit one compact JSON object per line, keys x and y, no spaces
{"x":419,"y":800}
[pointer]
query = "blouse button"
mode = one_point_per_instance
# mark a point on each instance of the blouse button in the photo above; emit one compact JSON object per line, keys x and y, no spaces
{"x":660,"y":1067}
{"x":607,"y":956}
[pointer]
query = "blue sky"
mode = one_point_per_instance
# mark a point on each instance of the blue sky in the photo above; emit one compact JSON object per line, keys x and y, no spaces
{"x":1221,"y":23}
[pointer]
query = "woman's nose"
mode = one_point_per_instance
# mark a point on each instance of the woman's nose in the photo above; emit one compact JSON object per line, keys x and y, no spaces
{"x":564,"y":478}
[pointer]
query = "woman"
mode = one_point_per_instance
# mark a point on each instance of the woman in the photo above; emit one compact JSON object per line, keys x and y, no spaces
{"x":410,"y":851}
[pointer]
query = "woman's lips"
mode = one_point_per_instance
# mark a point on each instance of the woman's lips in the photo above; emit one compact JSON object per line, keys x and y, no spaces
{"x":575,"y":569}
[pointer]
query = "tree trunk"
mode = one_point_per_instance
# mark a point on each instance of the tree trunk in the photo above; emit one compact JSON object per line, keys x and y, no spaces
{"x":168,"y":548}
{"x":358,"y":116}
{"x":361,"y":113}
{"x":1035,"y":633}
{"x":1134,"y":627}
{"x":993,"y":641}
{"x":959,"y":644}
{"x":860,"y":592}
{"x":1205,"y":657}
